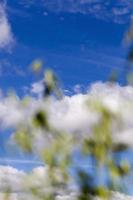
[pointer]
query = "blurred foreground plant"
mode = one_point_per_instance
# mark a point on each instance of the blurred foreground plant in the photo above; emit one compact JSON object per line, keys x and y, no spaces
{"x":56,"y":151}
{"x":55,"y":148}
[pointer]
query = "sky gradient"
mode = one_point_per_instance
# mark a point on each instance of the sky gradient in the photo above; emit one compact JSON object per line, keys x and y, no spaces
{"x":81,"y":40}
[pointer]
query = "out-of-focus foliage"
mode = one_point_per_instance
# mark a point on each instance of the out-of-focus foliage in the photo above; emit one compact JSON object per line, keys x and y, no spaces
{"x":56,"y":151}
{"x":37,"y":65}
{"x":57,"y":147}
{"x":129,"y":44}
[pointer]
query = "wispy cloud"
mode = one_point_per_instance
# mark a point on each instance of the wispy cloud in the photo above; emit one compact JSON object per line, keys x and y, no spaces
{"x":10,"y":161}
{"x":116,"y":11}
{"x":119,"y":12}
{"x":6,"y":35}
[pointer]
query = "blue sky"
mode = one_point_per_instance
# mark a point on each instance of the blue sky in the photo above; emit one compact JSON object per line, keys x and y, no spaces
{"x":80,"y":40}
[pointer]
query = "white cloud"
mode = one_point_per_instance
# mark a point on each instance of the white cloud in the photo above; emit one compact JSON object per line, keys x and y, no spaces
{"x":6,"y":35}
{"x":10,"y":112}
{"x":72,"y":114}
{"x":17,"y":181}
{"x":10,"y":178}
{"x":37,"y":88}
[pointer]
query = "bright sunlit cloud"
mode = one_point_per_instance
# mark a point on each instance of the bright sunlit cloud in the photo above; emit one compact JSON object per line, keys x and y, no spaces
{"x":72,"y":114}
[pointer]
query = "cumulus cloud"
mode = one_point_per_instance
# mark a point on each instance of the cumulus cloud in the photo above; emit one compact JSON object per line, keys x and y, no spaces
{"x":6,"y":35}
{"x":16,"y":181}
{"x":10,"y":178}
{"x":18,"y":184}
{"x":72,"y":113}
{"x":10,"y":113}
{"x":77,"y":118}
{"x":37,"y":88}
